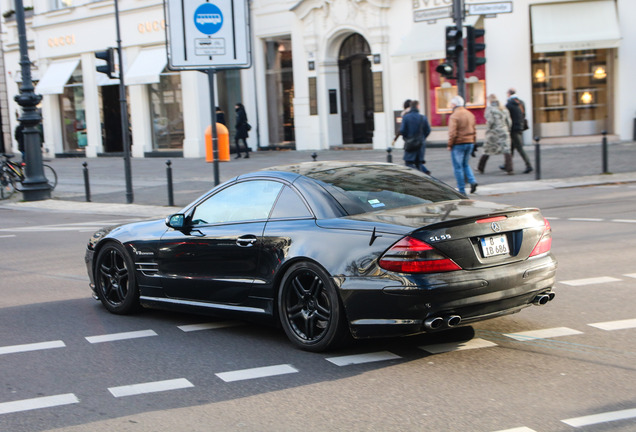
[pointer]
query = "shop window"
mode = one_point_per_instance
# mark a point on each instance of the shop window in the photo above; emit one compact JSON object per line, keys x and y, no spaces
{"x":280,"y":91}
{"x":570,"y":92}
{"x":166,"y":109}
{"x":73,"y":114}
{"x":60,"y":4}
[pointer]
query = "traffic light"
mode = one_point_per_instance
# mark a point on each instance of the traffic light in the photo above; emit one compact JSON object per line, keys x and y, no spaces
{"x":109,"y":57}
{"x":445,"y":69}
{"x":454,"y":43}
{"x":472,"y":34}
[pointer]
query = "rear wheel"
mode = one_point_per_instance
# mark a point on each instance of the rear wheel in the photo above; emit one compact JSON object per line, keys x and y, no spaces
{"x":51,"y":176}
{"x":115,"y":280}
{"x":309,"y":308}
{"x":6,"y":186}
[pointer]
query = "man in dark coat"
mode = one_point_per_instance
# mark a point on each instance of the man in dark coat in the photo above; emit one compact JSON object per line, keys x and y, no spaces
{"x":518,"y":114}
{"x":415,"y":127}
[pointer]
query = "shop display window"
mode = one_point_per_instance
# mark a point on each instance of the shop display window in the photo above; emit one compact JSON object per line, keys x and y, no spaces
{"x":73,"y":113}
{"x":280,"y":91}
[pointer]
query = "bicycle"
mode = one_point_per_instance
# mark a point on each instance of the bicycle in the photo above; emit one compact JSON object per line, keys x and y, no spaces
{"x":12,"y":176}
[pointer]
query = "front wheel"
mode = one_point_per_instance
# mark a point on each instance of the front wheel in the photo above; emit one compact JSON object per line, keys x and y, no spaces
{"x":309,"y":308}
{"x":115,"y":280}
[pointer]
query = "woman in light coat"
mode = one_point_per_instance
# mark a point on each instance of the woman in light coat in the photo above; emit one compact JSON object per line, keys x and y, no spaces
{"x":497,"y":135}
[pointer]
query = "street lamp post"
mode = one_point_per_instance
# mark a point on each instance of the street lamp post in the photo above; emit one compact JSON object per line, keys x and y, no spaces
{"x":34,"y":186}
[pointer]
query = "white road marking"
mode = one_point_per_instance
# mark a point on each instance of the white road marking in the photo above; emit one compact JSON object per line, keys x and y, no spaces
{"x":624,"y":220}
{"x":150,"y":387}
{"x":615,"y":325}
{"x":37,"y":403}
{"x":362,"y":358}
{"x":590,"y":281}
{"x":600,"y":418}
{"x":7,"y":236}
{"x":261,"y":372}
{"x":586,"y":219}
{"x":209,"y":326}
{"x":458,"y":346}
{"x":552,"y":218}
{"x":518,"y":429}
{"x":31,"y":347}
{"x":120,"y":336}
{"x":631,"y":275}
{"x":78,"y":226}
{"x":543,"y":334}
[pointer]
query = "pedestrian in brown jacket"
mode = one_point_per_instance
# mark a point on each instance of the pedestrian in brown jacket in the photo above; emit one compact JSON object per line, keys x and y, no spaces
{"x":461,"y":141}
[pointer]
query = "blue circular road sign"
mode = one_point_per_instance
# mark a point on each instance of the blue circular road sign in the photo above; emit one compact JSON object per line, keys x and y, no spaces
{"x":208,"y":18}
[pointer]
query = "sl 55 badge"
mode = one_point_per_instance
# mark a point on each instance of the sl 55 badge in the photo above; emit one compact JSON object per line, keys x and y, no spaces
{"x":440,"y":237}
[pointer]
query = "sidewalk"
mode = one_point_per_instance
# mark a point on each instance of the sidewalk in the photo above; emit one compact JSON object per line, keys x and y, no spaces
{"x":561,"y":166}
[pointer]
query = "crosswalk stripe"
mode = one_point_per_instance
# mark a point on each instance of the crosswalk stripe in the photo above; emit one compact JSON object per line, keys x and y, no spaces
{"x":586,"y":219}
{"x":362,"y":358}
{"x":600,"y":418}
{"x":624,"y":220}
{"x":120,"y":336}
{"x":31,"y":347}
{"x":209,"y":326}
{"x":150,"y":387}
{"x":543,"y":334}
{"x":615,"y":325}
{"x":261,"y":372}
{"x":37,"y":403}
{"x":458,"y":346}
{"x":518,"y":429}
{"x":590,"y":281}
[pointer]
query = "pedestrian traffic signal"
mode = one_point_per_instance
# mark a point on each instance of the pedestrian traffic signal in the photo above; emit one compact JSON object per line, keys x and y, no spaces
{"x":445,"y":69}
{"x":109,"y":57}
{"x":472,"y":48}
{"x":454,"y":42}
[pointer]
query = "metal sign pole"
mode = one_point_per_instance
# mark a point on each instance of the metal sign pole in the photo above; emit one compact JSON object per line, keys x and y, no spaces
{"x":215,"y":142}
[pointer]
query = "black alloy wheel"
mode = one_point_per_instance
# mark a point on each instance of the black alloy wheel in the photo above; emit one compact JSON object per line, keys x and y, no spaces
{"x":115,"y":280}
{"x":309,"y":308}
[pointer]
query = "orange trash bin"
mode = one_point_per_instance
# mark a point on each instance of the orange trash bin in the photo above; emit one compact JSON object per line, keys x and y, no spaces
{"x":223,"y":142}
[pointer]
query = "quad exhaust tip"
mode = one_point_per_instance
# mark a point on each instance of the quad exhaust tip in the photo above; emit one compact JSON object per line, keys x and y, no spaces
{"x":438,"y":322}
{"x":544,"y":298}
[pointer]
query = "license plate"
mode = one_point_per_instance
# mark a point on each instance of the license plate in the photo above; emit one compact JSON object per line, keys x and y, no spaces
{"x":494,"y":245}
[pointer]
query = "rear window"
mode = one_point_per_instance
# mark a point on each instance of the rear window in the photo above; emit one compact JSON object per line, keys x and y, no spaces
{"x":363,"y":189}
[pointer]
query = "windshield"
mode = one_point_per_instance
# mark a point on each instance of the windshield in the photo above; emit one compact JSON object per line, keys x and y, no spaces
{"x":367,"y":188}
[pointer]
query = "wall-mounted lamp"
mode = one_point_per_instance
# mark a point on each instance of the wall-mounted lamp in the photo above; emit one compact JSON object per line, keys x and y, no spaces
{"x":376,"y":59}
{"x":586,"y":98}
{"x":311,"y":65}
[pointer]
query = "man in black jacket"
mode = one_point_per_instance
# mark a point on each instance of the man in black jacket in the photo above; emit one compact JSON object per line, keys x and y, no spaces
{"x":518,"y":114}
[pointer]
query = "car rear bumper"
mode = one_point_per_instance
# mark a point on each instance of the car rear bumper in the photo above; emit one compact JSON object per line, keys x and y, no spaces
{"x":394,"y":305}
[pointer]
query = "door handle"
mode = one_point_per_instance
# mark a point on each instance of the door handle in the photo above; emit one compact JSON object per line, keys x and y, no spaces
{"x":246,"y":241}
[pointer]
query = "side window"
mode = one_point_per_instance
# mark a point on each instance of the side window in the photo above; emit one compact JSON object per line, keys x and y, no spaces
{"x":250,"y":200}
{"x":289,"y":205}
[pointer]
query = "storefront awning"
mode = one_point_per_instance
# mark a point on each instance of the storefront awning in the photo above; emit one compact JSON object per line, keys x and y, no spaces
{"x":574,"y":26}
{"x":56,"y":77}
{"x":147,"y":67}
{"x":427,"y":41}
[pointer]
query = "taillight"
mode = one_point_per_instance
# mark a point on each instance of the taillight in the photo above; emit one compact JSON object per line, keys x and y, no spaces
{"x":545,"y":242}
{"x":410,"y":255}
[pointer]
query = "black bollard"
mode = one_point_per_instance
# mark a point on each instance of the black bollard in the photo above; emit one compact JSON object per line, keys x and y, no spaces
{"x":87,"y":186}
{"x":314,"y":156}
{"x":537,"y":158}
{"x":170,"y":191}
{"x":605,"y":168}
{"x":389,"y":156}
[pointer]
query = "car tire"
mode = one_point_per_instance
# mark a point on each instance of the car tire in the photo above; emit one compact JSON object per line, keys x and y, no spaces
{"x":115,"y":282}
{"x":309,"y":308}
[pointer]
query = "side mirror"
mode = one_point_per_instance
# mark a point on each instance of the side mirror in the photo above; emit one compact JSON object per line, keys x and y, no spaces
{"x":176,"y":221}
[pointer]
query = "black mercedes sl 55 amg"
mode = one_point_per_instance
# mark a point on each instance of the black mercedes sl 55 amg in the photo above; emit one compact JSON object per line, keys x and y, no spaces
{"x":331,"y":250}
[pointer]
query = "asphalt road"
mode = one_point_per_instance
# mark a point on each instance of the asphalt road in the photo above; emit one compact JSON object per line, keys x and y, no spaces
{"x":568,"y":368}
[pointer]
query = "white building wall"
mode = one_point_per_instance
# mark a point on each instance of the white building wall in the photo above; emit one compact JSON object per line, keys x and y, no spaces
{"x":625,"y":111}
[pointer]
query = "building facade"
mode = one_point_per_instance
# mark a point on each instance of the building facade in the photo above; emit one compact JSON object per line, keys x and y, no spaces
{"x":326,"y":74}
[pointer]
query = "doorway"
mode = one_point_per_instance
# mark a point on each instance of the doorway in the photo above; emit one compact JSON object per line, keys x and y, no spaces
{"x":356,"y":91}
{"x":111,"y":119}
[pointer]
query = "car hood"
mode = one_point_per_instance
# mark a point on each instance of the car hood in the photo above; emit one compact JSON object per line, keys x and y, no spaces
{"x":433,"y":213}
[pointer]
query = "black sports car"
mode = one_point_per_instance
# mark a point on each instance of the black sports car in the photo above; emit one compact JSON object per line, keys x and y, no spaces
{"x":331,"y":249}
